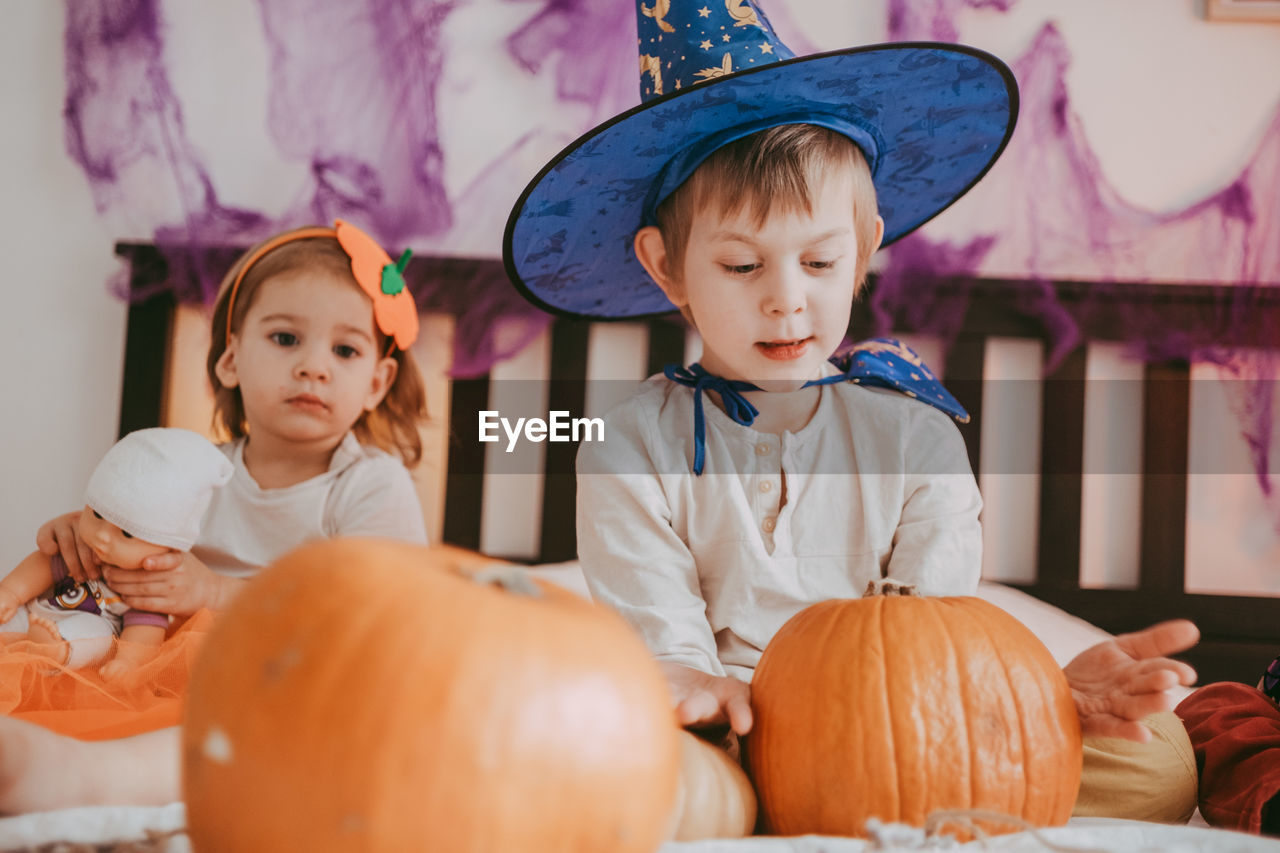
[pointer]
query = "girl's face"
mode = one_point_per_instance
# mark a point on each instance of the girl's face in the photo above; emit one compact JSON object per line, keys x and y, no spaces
{"x":306,"y":358}
{"x":772,"y":301}
{"x":113,"y":545}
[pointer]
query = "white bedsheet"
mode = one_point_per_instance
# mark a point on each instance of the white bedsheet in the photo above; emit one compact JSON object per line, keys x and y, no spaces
{"x":104,"y":825}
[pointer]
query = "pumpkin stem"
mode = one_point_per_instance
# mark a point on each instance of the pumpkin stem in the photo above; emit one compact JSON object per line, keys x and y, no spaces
{"x":888,"y":586}
{"x":510,"y":578}
{"x":404,"y":260}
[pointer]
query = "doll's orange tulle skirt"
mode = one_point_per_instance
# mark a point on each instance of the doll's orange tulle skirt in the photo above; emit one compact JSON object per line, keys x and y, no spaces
{"x":81,"y":704}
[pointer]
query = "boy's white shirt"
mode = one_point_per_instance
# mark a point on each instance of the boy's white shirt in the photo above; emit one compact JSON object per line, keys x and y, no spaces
{"x":691,"y":562}
{"x":365,"y":492}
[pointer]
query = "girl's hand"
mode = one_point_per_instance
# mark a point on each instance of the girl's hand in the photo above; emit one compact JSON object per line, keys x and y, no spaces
{"x":59,"y":536}
{"x":708,"y":700}
{"x":179,"y":584}
{"x":1118,"y":682}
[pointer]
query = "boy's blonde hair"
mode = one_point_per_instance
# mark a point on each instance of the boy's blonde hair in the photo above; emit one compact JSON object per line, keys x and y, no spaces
{"x":771,"y":169}
{"x":392,"y":426}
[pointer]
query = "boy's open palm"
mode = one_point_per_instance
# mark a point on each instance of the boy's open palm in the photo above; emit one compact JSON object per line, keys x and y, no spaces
{"x":704,"y":700}
{"x":1118,"y":682}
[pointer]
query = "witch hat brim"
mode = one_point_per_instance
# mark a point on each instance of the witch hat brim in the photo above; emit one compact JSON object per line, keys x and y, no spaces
{"x":932,"y":118}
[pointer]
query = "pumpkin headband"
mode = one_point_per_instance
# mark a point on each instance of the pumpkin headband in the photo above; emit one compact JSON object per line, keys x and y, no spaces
{"x":382,"y":279}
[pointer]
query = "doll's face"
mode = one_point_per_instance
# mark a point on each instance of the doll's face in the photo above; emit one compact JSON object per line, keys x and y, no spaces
{"x":113,"y":545}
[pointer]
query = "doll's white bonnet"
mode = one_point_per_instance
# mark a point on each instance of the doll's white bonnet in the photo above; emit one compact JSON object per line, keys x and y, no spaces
{"x":157,"y":483}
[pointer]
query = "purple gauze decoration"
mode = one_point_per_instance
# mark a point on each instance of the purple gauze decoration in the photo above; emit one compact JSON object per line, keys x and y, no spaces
{"x":366,"y":125}
{"x":124,"y":127}
{"x":1074,"y":225}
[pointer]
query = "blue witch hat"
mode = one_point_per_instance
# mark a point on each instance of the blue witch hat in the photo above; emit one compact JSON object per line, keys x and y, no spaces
{"x":931,"y":118}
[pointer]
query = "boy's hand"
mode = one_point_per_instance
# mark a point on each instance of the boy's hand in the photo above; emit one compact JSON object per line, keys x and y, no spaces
{"x":708,"y":700}
{"x":1118,"y":682}
{"x":59,"y":536}
{"x":179,"y":584}
{"x":9,"y":603}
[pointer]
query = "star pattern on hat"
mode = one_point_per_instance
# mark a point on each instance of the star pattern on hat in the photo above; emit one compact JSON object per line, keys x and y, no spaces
{"x":667,"y":30}
{"x":743,"y":14}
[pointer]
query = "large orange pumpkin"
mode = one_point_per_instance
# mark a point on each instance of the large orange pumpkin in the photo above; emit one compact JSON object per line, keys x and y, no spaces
{"x":901,"y":707}
{"x":362,"y":695}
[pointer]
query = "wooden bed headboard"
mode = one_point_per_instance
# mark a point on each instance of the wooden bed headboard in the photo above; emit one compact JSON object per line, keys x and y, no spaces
{"x":530,"y":516}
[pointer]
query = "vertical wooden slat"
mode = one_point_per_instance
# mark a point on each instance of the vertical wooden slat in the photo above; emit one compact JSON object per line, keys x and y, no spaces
{"x":1061,"y":480}
{"x":1166,"y":428}
{"x":964,"y":367}
{"x":146,"y":351}
{"x":568,"y":393}
{"x":464,"y":483}
{"x":666,"y":344}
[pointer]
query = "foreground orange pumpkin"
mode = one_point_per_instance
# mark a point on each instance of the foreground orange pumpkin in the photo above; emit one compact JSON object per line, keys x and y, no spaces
{"x":362,"y":695}
{"x":900,"y":707}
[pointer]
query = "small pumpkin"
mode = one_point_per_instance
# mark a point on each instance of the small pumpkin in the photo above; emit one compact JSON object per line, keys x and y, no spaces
{"x":899,"y":707}
{"x":716,"y":799}
{"x":362,"y":695}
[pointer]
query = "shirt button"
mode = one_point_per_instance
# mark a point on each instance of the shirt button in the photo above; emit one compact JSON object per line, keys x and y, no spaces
{"x":766,"y":486}
{"x":762,"y":450}
{"x":768,"y":525}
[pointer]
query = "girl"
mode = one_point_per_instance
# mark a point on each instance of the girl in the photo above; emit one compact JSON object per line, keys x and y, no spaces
{"x":321,"y":403}
{"x":312,"y":385}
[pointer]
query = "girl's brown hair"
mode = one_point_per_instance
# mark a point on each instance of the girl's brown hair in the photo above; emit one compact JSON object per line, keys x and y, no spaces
{"x":392,"y":426}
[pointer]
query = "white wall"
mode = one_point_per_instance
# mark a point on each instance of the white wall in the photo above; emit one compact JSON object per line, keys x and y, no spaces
{"x":61,"y":332}
{"x":1172,"y":105}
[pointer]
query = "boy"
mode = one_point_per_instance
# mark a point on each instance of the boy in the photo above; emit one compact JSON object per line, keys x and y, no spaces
{"x":752,"y":202}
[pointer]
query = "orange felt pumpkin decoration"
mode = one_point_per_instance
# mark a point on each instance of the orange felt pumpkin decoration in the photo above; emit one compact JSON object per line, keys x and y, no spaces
{"x":898,"y":707}
{"x":383,"y":280}
{"x":365,"y":695}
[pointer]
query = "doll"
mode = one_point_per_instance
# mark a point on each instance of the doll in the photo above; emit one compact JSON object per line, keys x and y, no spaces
{"x":147,"y":496}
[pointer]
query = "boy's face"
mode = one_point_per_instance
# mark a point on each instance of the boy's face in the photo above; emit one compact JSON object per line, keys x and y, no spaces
{"x":771,"y":302}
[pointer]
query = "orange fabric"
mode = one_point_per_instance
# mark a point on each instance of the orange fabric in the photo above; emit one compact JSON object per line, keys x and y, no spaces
{"x":81,"y":704}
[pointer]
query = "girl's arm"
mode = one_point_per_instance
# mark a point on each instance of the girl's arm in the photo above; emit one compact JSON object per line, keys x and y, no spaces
{"x":29,"y":578}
